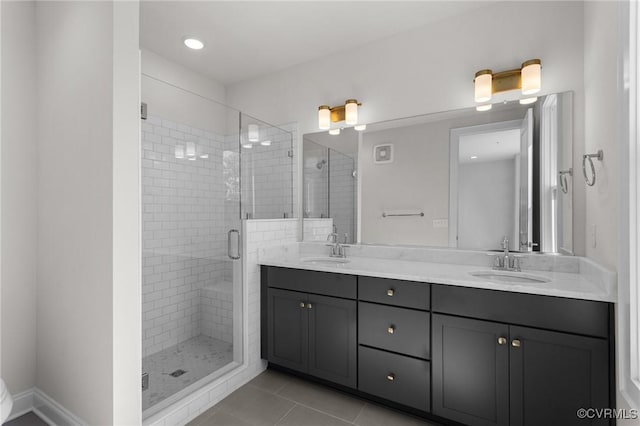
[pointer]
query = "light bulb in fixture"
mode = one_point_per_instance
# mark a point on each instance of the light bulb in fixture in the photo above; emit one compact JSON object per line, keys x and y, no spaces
{"x":527,"y":101}
{"x":482,"y":85}
{"x":193,"y":43}
{"x":360,"y":127}
{"x":351,"y":112}
{"x":191,"y":149}
{"x":531,"y":75}
{"x":324,"y":117}
{"x":485,"y":107}
{"x":265,"y":143}
{"x":334,"y":132}
{"x":179,"y":152}
{"x":253,"y":133}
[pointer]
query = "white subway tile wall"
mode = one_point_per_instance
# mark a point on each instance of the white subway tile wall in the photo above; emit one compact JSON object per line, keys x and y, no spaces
{"x":342,"y":194}
{"x":184,"y":233}
{"x":268,"y":174}
{"x":317,"y":229}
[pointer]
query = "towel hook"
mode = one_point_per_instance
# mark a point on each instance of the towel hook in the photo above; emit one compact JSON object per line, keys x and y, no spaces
{"x":598,"y":156}
{"x":564,"y":184}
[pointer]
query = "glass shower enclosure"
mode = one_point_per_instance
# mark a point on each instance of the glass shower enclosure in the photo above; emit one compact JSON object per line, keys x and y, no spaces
{"x":205,"y":166}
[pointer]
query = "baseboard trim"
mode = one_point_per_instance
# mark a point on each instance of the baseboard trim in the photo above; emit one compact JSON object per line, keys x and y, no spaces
{"x":45,"y":407}
{"x":22,"y":404}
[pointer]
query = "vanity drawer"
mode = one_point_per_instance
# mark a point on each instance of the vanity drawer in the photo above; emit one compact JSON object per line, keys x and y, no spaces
{"x":394,"y":377}
{"x":554,"y":313}
{"x":405,"y":331}
{"x":394,"y":292}
{"x":324,"y":283}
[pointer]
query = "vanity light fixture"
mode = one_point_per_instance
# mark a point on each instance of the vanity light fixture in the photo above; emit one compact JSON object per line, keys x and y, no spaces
{"x":347,"y":113}
{"x":527,"y":79}
{"x":193,"y":43}
{"x":253,"y":133}
{"x":334,"y":132}
{"x":360,"y":127}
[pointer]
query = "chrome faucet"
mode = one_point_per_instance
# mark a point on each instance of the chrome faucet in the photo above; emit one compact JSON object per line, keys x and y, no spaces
{"x":506,"y":262}
{"x":337,"y":249}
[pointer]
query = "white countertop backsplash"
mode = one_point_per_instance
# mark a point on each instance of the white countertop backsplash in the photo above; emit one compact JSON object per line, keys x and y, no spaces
{"x":570,"y":276}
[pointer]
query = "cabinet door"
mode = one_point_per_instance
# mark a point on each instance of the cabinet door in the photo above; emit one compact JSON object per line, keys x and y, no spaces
{"x":287,"y":328}
{"x":554,"y":374}
{"x":332,"y":339}
{"x":470,"y":370}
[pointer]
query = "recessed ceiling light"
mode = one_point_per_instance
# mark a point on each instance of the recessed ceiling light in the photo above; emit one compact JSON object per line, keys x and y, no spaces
{"x":193,"y":43}
{"x":360,"y":127}
{"x":334,"y":132}
{"x":473,"y":157}
{"x":247,"y":145}
{"x":265,"y":143}
{"x":481,"y":108}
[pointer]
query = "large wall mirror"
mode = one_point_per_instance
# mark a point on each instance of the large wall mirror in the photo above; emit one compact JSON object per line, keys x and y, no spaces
{"x":463,"y":179}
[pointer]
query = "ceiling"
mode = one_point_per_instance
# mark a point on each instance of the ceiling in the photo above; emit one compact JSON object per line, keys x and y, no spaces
{"x":492,"y":146}
{"x":247,"y":39}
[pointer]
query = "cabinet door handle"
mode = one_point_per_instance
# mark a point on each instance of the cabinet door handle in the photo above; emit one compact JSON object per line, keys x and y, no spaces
{"x":515,"y":343}
{"x":309,"y":306}
{"x":391,"y":377}
{"x":390,"y":292}
{"x":502,"y":341}
{"x":302,"y":305}
{"x":391,"y":329}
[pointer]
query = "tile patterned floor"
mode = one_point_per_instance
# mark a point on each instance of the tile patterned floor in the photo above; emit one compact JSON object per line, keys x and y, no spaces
{"x":199,"y":357}
{"x":275,"y":398}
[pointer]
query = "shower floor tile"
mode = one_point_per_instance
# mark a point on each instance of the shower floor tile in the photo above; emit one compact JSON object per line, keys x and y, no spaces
{"x":198,"y":356}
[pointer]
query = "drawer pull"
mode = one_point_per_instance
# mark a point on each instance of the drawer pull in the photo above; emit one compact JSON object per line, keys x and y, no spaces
{"x":515,"y":343}
{"x":390,"y":292}
{"x":391,"y":329}
{"x":302,"y":305}
{"x":391,"y":377}
{"x":502,"y":341}
{"x":309,"y":305}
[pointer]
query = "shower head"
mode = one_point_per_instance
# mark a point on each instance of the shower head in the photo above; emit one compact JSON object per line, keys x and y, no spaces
{"x":321,"y":164}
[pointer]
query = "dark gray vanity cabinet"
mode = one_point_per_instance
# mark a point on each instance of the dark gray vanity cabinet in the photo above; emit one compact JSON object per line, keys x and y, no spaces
{"x":312,"y":333}
{"x":511,"y":372}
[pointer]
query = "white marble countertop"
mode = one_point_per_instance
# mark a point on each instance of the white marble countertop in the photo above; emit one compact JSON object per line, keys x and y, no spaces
{"x":588,"y":281}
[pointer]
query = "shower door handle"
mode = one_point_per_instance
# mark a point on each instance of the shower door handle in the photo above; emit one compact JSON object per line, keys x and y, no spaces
{"x":231,"y":256}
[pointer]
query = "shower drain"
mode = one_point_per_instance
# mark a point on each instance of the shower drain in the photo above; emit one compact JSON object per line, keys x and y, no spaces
{"x":179,"y":372}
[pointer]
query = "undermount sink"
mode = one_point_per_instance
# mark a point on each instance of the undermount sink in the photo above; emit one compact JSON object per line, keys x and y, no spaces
{"x":325,"y":260}
{"x":510,"y":277}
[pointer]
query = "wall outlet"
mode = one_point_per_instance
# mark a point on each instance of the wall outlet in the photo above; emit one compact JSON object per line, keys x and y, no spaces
{"x":440,"y":223}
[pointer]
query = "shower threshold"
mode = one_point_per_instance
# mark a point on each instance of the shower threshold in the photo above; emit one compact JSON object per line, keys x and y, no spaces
{"x":196,"y":359}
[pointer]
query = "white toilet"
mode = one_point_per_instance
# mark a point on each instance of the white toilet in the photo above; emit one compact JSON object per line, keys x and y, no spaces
{"x":6,"y":402}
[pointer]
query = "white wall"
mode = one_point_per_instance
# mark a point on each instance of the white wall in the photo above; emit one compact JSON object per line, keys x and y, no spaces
{"x":88,"y":303}
{"x":170,"y":102}
{"x":600,"y":82}
{"x":429,"y":69}
{"x":19,"y":202}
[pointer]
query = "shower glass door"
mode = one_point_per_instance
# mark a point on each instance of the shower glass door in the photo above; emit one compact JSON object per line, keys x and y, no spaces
{"x":192,"y":255}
